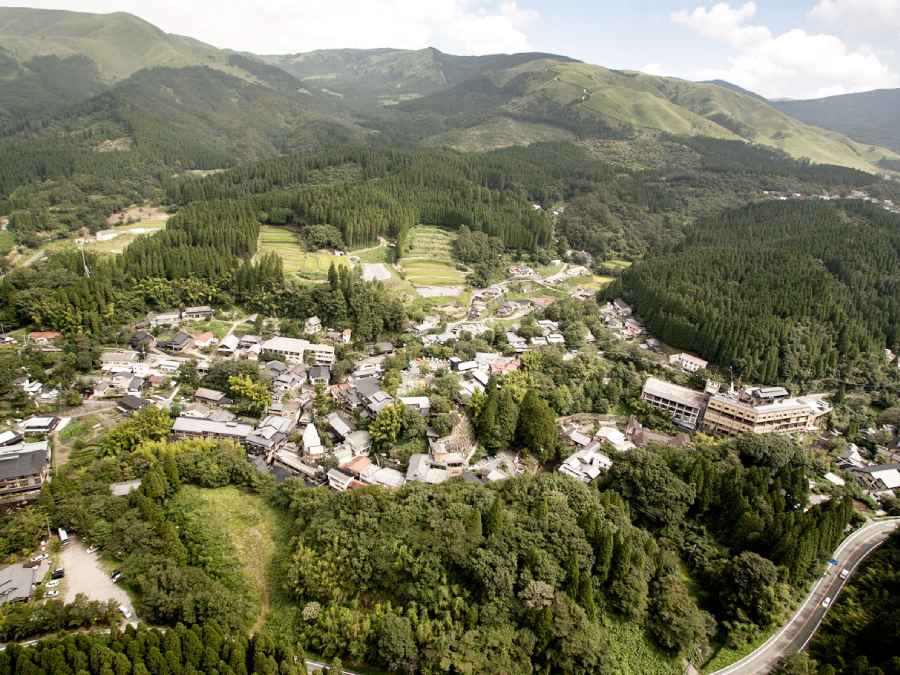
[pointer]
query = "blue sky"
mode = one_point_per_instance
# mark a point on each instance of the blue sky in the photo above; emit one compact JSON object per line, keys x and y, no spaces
{"x":787,"y":48}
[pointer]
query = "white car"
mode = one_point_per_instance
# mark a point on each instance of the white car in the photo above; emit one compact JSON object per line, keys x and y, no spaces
{"x":39,"y":558}
{"x":125,"y":611}
{"x":51,"y":594}
{"x":53,"y":584}
{"x":826,"y":603}
{"x":92,"y":549}
{"x":845,"y":573}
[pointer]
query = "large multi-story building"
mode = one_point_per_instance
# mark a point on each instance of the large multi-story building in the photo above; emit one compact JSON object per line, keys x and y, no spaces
{"x":292,"y":350}
{"x":24,"y":468}
{"x":768,"y":410}
{"x":683,"y":404}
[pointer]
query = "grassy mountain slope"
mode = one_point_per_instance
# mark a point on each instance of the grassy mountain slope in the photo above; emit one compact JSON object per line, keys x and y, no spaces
{"x":868,"y":117}
{"x":389,"y":76}
{"x":590,"y":100}
{"x":119,"y":44}
{"x":50,"y":59}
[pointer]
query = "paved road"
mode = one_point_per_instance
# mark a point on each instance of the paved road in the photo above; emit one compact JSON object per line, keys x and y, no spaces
{"x":797,"y":632}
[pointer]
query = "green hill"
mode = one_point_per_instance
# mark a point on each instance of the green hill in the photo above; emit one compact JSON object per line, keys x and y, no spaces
{"x":119,"y":44}
{"x":594,"y":101}
{"x":50,"y":59}
{"x":391,"y":76}
{"x":868,"y":117}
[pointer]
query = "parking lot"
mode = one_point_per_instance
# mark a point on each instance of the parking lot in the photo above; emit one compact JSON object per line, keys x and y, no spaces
{"x":84,"y":574}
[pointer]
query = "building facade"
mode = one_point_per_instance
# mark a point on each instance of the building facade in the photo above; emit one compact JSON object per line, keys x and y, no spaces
{"x":684,"y":405}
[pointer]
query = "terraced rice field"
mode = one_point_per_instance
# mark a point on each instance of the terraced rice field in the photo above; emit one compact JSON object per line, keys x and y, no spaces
{"x":312,"y":265}
{"x":429,"y":259}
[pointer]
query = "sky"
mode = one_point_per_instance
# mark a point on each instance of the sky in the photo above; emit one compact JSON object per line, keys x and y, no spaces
{"x":778,"y":48}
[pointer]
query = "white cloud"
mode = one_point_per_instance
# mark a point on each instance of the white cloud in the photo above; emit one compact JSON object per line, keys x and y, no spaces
{"x":721,"y":22}
{"x":870,"y":16}
{"x":280,"y":26}
{"x":657,"y":69}
{"x":794,"y":64}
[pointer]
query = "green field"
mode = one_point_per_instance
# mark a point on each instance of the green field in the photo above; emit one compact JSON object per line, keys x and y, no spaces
{"x":127,"y":234}
{"x":429,"y":258}
{"x":7,"y":241}
{"x":312,"y":265}
{"x":257,"y":536}
{"x":217,"y":328}
{"x":616,"y":265}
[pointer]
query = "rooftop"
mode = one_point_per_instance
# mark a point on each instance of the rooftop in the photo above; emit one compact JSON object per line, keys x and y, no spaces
{"x":674,"y":392}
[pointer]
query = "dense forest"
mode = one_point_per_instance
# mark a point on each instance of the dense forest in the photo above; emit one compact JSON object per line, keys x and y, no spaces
{"x":531,"y":570}
{"x":781,"y":291}
{"x":632,"y":212}
{"x":179,"y":650}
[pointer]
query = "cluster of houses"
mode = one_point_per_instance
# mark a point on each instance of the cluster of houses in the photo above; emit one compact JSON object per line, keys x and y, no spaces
{"x":570,"y":272}
{"x":619,"y":318}
{"x":594,"y":449}
{"x":862,"y":195}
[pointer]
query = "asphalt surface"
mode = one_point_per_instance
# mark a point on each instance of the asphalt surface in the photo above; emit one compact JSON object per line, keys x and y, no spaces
{"x":798,"y":631}
{"x":85,"y":575}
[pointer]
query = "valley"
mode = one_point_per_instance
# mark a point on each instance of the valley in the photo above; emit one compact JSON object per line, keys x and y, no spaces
{"x":398,"y":360}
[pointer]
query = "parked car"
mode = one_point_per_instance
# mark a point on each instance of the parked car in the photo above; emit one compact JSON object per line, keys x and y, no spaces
{"x":125,"y":611}
{"x":58,"y":573}
{"x":39,"y":557}
{"x":826,"y":602}
{"x":92,"y":549}
{"x":845,"y":573}
{"x":54,"y":583}
{"x":115,"y":576}
{"x":52,"y":594}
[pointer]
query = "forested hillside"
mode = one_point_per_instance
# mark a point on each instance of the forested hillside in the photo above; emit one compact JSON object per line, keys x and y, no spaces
{"x":544,"y":571}
{"x":50,"y":59}
{"x":73,"y":169}
{"x":781,"y":291}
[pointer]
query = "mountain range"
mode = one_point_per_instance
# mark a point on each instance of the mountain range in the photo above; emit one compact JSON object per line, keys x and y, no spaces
{"x":117,"y":74}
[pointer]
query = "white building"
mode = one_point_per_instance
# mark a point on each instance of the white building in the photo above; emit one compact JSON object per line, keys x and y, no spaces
{"x":688,"y":362}
{"x":312,"y":444}
{"x":292,"y":350}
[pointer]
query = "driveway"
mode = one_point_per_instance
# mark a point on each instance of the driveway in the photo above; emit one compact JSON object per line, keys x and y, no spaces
{"x":85,"y":575}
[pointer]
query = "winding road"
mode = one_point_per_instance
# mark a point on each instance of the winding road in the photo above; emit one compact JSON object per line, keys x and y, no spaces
{"x":798,"y":631}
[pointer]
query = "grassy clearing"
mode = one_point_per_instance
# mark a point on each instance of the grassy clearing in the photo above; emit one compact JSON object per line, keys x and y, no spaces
{"x":592,"y":282}
{"x":286,"y":243}
{"x":432,"y":273}
{"x":7,"y":241}
{"x":257,"y":535}
{"x":127,"y":234}
{"x":217,"y":328}
{"x":81,"y":435}
{"x":616,"y":265}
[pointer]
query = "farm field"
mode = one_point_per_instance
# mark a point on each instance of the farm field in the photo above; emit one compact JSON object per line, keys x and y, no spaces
{"x":429,"y":260}
{"x":432,"y":273}
{"x":126,"y":235}
{"x":593,"y":282}
{"x":311,"y":265}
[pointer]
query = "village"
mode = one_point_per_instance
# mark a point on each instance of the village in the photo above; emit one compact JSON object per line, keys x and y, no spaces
{"x":319,"y":403}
